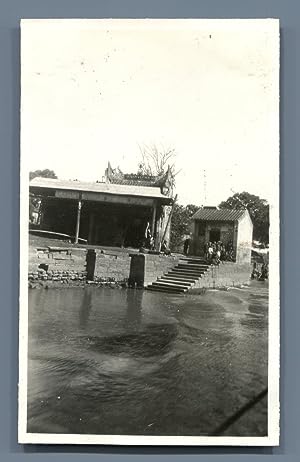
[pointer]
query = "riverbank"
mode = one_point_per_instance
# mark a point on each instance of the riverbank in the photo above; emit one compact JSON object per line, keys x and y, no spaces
{"x":68,"y":265}
{"x":59,"y":263}
{"x":63,"y":284}
{"x":53,"y":263}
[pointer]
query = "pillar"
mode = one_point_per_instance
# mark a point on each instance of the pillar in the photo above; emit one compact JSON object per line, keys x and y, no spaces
{"x":158,"y":234}
{"x":153,"y":220}
{"x":40,"y":213}
{"x":90,"y":264}
{"x":78,"y":221}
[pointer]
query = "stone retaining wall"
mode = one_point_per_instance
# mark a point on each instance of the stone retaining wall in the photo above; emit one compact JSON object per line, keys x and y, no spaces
{"x":56,"y":275}
{"x":146,"y":268}
{"x":55,"y":258}
{"x":69,"y":264}
{"x":112,"y":267}
{"x":227,"y":274}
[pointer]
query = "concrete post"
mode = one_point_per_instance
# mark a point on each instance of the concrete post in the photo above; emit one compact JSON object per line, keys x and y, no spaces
{"x":153,"y":220}
{"x":78,"y":221}
{"x":158,"y":232}
{"x":40,"y":212}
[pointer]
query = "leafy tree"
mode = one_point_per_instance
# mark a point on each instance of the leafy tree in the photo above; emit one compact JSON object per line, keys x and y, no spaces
{"x":258,"y":209}
{"x":180,"y":224}
{"x":44,"y":173}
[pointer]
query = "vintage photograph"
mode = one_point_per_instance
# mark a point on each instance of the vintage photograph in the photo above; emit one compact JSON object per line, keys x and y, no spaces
{"x":149,"y":274}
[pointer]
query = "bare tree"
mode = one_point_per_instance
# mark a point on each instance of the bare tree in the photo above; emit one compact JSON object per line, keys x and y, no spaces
{"x":157,"y":161}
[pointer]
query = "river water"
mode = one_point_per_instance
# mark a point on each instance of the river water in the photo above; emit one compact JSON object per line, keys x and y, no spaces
{"x":116,"y":361}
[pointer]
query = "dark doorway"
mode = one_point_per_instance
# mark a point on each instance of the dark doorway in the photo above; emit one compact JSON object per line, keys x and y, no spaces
{"x":214,"y":235}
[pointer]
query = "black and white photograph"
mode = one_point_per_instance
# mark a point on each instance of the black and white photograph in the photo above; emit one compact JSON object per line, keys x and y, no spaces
{"x":149,"y":253}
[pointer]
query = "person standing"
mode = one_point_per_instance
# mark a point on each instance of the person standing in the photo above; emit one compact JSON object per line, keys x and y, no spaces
{"x":210,"y":252}
{"x":186,"y":245}
{"x":147,"y":235}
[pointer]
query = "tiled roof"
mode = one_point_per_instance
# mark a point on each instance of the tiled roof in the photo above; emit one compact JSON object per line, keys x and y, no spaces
{"x":214,"y":214}
{"x":133,"y":182}
{"x":137,"y":179}
{"x":107,"y":188}
{"x":139,"y":176}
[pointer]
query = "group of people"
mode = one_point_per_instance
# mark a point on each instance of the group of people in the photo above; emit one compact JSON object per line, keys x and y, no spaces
{"x":217,"y":251}
{"x":260,"y":272}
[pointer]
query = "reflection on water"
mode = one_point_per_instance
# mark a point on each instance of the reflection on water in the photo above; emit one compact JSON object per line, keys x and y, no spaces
{"x":105,"y":361}
{"x":134,"y":299}
{"x":85,"y":309}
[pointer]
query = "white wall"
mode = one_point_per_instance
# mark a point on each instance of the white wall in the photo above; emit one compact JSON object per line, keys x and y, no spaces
{"x":244,"y":239}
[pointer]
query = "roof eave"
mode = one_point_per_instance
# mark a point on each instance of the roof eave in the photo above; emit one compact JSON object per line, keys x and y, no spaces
{"x":163,"y":199}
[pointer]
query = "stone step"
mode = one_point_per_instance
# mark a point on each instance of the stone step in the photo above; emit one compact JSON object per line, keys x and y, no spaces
{"x":191,"y":265}
{"x":190,"y":268}
{"x":180,"y":277}
{"x":183,"y":278}
{"x":194,"y":260}
{"x":175,"y":281}
{"x":169,"y":285}
{"x":181,"y":263}
{"x":165,"y":290}
{"x":185,"y":272}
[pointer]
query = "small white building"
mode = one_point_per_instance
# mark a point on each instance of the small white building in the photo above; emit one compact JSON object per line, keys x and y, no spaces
{"x":232,"y":227}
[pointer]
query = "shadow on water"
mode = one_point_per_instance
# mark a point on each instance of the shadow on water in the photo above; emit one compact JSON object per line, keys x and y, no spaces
{"x":256,"y":309}
{"x":153,"y":340}
{"x":137,"y":340}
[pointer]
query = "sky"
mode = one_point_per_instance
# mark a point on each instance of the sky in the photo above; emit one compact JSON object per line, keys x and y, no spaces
{"x":94,"y":91}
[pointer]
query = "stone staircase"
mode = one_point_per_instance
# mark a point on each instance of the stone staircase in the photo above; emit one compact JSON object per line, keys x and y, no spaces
{"x":182,"y":277}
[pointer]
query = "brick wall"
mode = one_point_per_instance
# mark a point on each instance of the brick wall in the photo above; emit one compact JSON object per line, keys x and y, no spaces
{"x":52,"y":263}
{"x":70,"y":264}
{"x":227,"y":274}
{"x":116,"y":267}
{"x":56,"y":258}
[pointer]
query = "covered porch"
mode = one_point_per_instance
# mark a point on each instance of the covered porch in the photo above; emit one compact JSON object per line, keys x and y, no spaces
{"x":110,"y":216}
